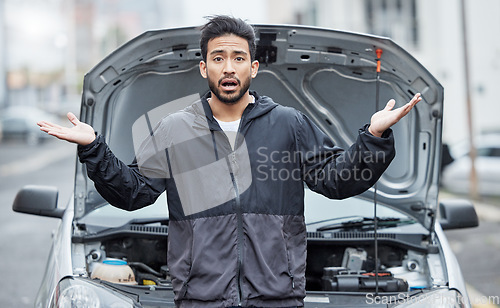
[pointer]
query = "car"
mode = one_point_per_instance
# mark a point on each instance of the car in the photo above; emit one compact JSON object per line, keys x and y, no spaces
{"x":385,"y":247}
{"x":17,"y":122}
{"x":456,"y":175}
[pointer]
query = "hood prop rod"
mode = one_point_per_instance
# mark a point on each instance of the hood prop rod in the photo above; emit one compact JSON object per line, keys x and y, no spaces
{"x":379,"y":52}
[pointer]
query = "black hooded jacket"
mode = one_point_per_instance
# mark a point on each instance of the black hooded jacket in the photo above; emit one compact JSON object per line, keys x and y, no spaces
{"x":237,"y":234}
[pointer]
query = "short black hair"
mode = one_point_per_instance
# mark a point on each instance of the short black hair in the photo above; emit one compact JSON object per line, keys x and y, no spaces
{"x":220,"y":25}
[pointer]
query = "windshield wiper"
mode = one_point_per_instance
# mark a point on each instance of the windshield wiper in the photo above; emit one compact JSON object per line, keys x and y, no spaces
{"x":368,"y":222}
{"x":139,"y":226}
{"x":335,"y":219}
{"x":150,"y":220}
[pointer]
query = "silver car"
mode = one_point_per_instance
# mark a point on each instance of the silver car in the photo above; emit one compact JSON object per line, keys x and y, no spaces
{"x":456,"y":175}
{"x":383,"y":248}
{"x":16,"y":122}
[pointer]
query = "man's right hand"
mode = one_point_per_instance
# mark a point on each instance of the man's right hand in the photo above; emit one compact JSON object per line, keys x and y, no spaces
{"x":81,"y":133}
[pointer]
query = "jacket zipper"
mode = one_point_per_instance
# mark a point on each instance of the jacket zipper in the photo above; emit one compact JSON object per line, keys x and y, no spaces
{"x":231,"y":161}
{"x":239,"y":215}
{"x":239,"y":218}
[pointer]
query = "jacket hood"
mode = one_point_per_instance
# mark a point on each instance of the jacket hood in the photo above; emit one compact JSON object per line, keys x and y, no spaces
{"x":328,"y":75}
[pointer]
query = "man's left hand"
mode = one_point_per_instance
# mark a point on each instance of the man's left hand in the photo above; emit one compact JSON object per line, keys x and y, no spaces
{"x":383,"y":119}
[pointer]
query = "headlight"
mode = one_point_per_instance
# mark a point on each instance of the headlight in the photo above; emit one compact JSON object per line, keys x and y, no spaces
{"x":443,"y":298}
{"x":79,"y":293}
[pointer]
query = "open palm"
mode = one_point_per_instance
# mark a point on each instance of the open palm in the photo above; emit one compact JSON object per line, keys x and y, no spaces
{"x":81,"y":133}
{"x":385,"y":118}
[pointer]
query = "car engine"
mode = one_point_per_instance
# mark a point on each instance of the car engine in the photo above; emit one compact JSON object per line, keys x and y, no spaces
{"x":349,"y":268}
{"x":338,"y":265}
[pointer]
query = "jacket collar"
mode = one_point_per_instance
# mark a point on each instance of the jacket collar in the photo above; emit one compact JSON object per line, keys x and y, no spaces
{"x":262,"y":105}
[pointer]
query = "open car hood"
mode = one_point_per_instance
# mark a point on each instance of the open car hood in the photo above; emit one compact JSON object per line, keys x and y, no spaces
{"x":328,"y":75}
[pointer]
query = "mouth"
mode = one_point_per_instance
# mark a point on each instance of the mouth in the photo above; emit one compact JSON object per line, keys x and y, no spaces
{"x":229,"y":84}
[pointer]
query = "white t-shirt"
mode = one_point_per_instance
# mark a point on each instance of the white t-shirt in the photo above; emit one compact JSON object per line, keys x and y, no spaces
{"x":231,"y":128}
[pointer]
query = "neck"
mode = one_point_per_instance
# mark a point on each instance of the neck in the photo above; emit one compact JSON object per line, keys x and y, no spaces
{"x":229,"y":112}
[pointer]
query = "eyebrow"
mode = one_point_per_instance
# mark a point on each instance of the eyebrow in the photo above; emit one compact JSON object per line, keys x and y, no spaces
{"x":216,"y":51}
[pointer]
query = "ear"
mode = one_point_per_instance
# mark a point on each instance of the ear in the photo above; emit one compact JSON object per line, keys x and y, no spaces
{"x":255,"y":68}
{"x":203,"y":69}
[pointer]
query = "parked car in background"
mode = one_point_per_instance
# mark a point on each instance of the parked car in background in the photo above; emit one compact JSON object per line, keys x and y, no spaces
{"x":19,"y":122}
{"x":106,"y":257}
{"x":456,"y":175}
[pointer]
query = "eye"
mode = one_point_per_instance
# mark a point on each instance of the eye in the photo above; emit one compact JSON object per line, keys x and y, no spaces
{"x":240,"y":59}
{"x":218,"y":59}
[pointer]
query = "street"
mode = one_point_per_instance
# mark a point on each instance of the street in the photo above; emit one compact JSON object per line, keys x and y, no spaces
{"x":477,"y":252}
{"x":25,"y":239}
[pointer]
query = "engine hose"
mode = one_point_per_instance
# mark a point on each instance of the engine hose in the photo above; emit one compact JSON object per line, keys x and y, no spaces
{"x":144,"y":267}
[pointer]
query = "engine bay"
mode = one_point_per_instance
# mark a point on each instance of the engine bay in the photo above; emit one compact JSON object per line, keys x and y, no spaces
{"x":347,"y":267}
{"x":333,"y":264}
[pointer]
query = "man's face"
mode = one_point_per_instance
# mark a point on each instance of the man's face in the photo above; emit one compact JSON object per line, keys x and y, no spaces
{"x":228,"y":68}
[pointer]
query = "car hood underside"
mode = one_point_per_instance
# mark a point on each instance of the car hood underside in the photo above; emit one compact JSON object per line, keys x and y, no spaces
{"x":328,"y":75}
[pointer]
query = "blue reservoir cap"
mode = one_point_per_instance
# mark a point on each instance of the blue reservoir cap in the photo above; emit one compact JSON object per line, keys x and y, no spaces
{"x":114,"y":262}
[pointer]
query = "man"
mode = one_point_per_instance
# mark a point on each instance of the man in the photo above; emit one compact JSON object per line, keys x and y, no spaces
{"x":236,"y":233}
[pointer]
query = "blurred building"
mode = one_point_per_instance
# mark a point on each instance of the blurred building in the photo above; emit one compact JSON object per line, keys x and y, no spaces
{"x":51,"y":44}
{"x":432,"y":32}
{"x":3,"y":57}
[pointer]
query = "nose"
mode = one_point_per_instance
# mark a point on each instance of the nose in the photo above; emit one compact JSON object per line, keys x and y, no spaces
{"x":229,"y":67}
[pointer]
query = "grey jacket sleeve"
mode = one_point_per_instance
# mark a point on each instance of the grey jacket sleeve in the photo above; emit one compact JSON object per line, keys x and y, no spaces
{"x":122,"y":185}
{"x":337,"y":173}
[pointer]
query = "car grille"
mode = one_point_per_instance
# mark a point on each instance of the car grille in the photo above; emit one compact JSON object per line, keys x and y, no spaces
{"x":348,"y":235}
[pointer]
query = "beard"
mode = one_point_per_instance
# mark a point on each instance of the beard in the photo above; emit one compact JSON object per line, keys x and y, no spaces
{"x":228,"y":97}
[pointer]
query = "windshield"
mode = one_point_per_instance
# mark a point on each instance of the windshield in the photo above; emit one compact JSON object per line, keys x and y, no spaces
{"x":110,"y":216}
{"x":319,"y":211}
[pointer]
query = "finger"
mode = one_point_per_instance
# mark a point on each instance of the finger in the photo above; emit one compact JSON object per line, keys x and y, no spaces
{"x":390,"y":104}
{"x":57,"y":134}
{"x":44,"y":125}
{"x":48,"y":124}
{"x":45,"y":129}
{"x":50,"y":130}
{"x":72,"y":118}
{"x":416,"y":98}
